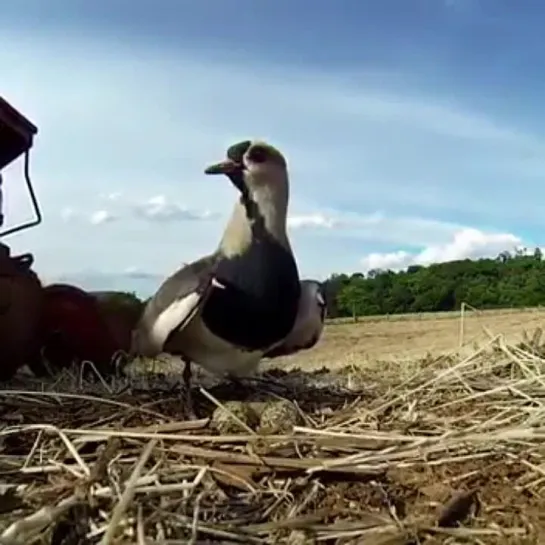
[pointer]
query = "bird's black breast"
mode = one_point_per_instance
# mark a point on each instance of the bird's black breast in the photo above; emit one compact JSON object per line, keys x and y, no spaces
{"x":259,"y":304}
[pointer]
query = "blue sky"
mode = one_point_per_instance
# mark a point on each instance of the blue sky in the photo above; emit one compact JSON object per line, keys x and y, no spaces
{"x":414,"y":129}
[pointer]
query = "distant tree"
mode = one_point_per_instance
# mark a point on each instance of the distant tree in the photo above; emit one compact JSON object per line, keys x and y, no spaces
{"x":510,"y":280}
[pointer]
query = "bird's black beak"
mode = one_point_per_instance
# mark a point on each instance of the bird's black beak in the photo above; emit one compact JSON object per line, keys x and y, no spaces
{"x":233,"y":166}
{"x":232,"y":169}
{"x":224,"y":167}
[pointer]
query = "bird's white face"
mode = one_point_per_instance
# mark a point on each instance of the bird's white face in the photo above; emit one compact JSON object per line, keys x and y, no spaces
{"x":263,"y":165}
{"x":253,"y":165}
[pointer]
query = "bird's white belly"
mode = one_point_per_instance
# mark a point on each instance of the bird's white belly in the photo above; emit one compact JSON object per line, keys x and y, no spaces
{"x":200,"y":346}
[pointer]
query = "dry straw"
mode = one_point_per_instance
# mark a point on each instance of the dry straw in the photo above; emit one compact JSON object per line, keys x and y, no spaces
{"x":454,"y":454}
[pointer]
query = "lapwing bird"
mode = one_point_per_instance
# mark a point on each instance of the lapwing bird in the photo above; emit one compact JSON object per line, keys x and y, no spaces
{"x":227,"y":309}
{"x":309,"y":323}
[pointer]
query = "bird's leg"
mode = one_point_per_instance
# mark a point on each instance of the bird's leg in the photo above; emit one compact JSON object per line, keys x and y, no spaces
{"x":189,"y":405}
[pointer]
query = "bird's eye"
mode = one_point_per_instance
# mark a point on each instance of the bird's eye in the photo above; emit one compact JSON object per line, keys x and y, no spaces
{"x":258,"y":154}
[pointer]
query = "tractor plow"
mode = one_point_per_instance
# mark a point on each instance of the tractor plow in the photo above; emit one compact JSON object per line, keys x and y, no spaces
{"x":47,"y":327}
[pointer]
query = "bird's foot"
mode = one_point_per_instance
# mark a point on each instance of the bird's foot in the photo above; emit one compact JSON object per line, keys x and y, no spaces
{"x":189,"y":402}
{"x":189,"y":405}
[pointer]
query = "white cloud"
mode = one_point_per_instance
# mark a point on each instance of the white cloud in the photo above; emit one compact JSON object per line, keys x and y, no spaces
{"x":155,"y":209}
{"x":102,"y":216}
{"x":68,"y":213}
{"x":467,"y":243}
{"x":113,"y":196}
{"x":138,"y":272}
{"x":388,"y":261}
{"x":376,"y":227}
{"x":313,"y":220}
{"x":160,"y":209}
{"x":97,"y":217}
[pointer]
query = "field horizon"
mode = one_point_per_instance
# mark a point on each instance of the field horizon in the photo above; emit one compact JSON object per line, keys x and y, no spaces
{"x":405,"y":337}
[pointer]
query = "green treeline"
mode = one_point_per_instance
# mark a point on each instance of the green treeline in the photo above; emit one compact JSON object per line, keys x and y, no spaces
{"x":510,"y":280}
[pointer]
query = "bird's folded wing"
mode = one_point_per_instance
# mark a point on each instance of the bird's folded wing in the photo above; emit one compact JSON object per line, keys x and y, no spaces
{"x":176,"y":302}
{"x":302,"y":337}
{"x":305,"y":332}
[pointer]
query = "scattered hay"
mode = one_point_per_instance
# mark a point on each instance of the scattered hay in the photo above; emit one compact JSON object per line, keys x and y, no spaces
{"x":453,"y":452}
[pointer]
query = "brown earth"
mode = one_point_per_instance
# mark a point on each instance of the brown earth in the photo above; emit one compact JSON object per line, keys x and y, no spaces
{"x":398,"y":339}
{"x":398,"y":445}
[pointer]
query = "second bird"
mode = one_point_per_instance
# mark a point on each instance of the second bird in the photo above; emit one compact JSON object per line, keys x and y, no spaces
{"x":226,"y":310}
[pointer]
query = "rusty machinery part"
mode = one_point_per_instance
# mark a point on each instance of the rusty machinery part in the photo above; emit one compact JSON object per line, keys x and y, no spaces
{"x":16,"y":138}
{"x":74,"y":328}
{"x":21,"y":305}
{"x":121,"y":314}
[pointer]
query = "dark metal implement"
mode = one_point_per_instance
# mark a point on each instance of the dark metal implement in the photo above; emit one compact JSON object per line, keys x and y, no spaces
{"x":16,"y":139}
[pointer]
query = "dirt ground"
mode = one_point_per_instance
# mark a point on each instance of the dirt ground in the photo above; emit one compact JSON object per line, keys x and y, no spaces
{"x":359,"y":459}
{"x":397,"y":340}
{"x":435,"y":450}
